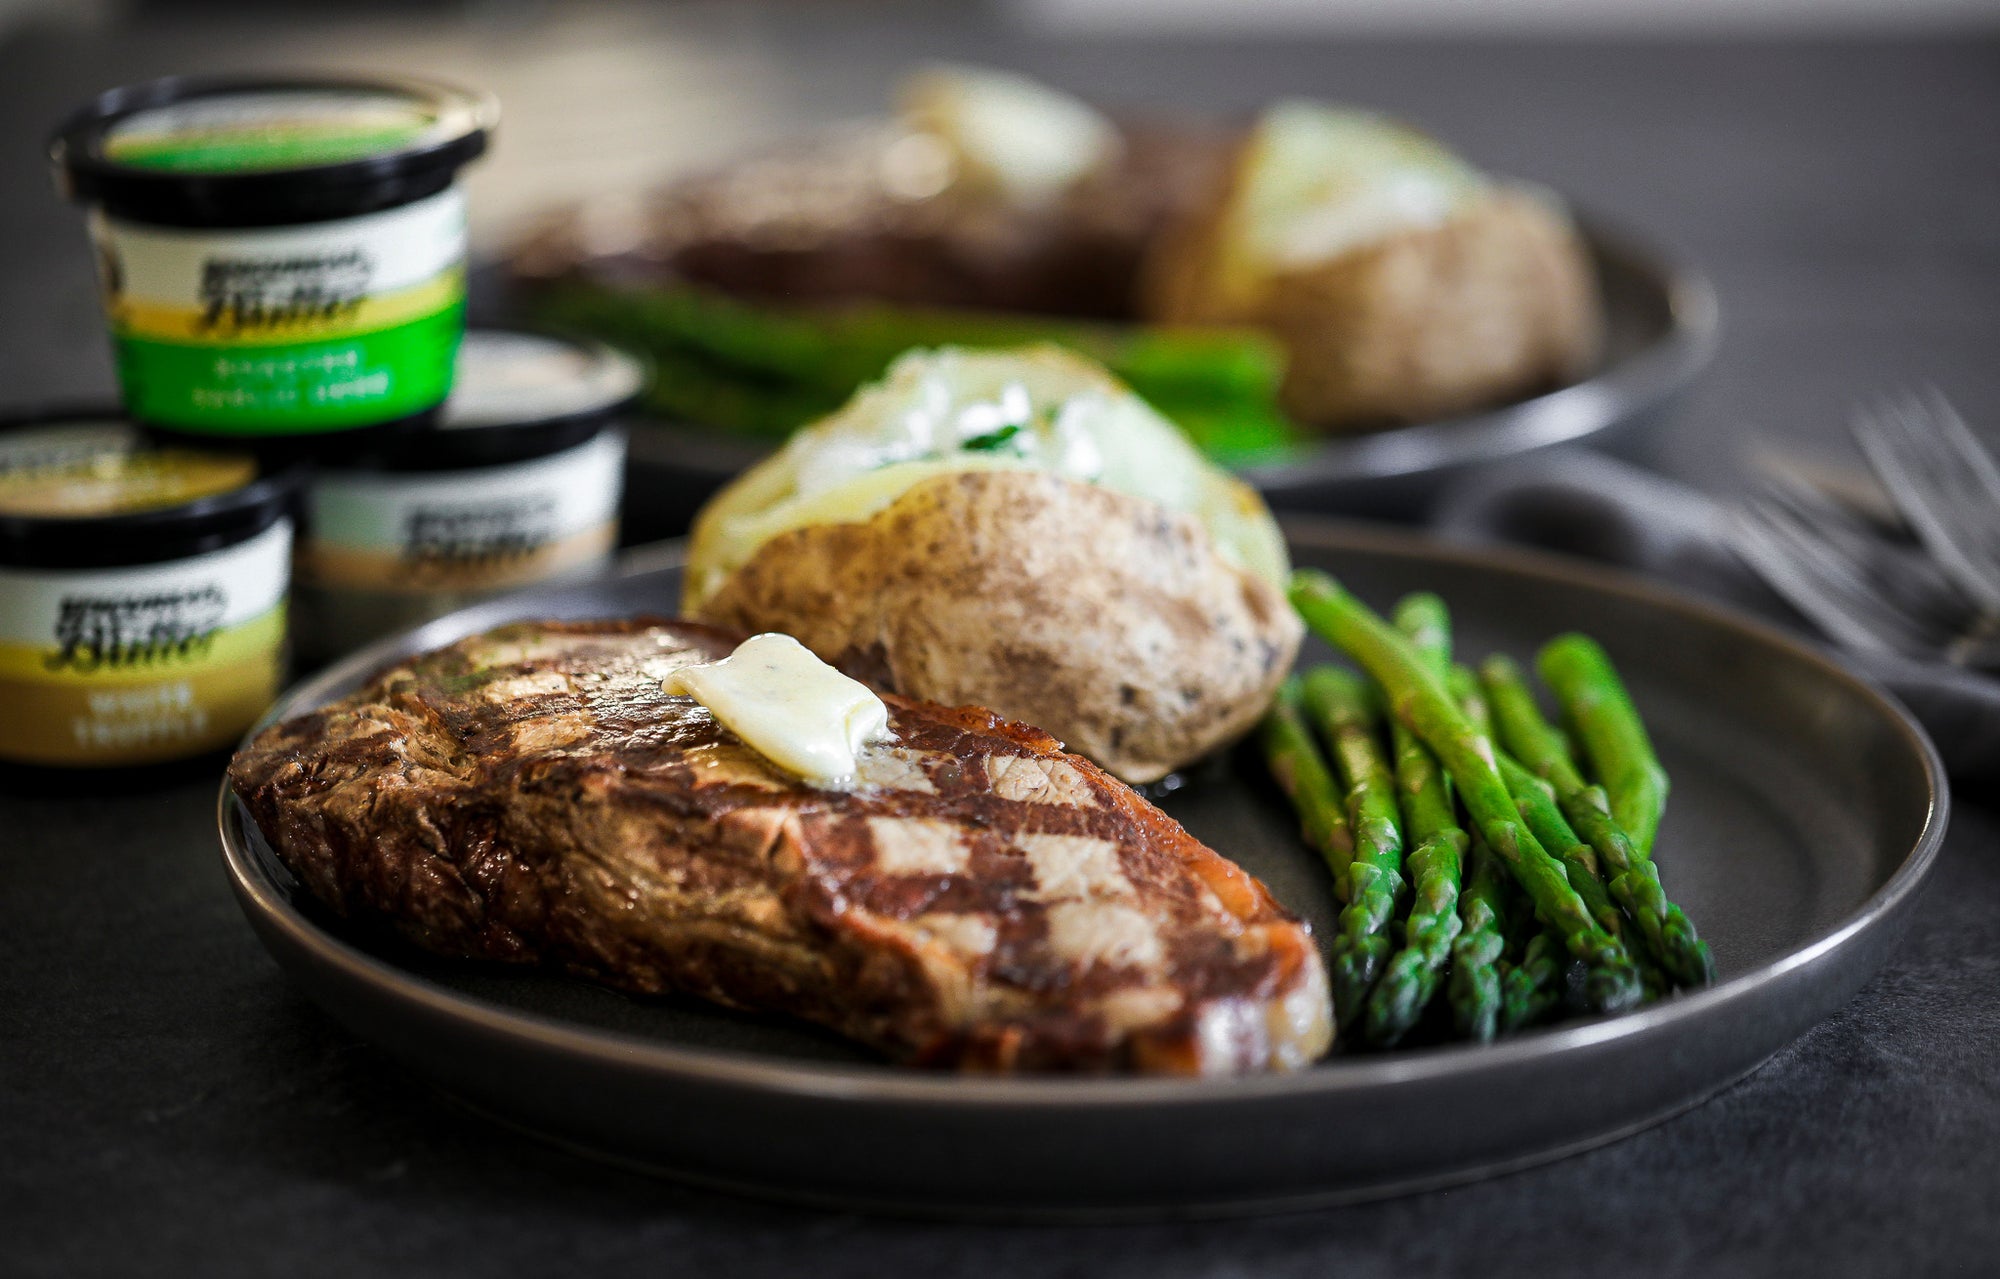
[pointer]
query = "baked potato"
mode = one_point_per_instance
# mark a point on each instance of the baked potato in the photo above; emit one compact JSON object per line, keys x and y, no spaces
{"x":1403,"y":284}
{"x":1014,"y":530}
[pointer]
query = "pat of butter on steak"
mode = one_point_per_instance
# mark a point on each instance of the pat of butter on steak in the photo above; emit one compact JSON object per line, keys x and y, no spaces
{"x":980,"y":899}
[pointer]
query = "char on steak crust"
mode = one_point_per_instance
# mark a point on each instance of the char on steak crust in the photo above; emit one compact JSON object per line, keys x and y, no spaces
{"x":980,"y":900}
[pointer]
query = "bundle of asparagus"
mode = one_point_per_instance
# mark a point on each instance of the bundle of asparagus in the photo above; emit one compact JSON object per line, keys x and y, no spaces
{"x":1542,"y":896}
{"x":765,"y":369}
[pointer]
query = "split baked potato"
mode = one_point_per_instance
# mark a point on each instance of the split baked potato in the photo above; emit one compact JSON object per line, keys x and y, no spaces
{"x":1403,"y":284}
{"x":1019,"y":531}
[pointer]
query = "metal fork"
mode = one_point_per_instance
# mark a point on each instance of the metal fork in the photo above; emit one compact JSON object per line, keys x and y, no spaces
{"x":1934,"y":595}
{"x":1946,"y":485}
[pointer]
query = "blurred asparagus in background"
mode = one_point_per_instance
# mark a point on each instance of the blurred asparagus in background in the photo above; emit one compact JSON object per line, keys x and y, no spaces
{"x":765,"y":369}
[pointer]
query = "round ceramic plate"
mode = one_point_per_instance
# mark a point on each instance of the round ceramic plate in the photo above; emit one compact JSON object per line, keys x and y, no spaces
{"x":1806,"y":809}
{"x":1662,"y":321}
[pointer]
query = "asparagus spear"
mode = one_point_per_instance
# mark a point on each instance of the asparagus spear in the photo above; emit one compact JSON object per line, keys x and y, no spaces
{"x":1662,"y":927}
{"x":1535,"y":800}
{"x":1436,"y":866}
{"x":1601,"y":711}
{"x":1418,"y":698}
{"x":1531,"y":990}
{"x":1474,"y":989}
{"x":1424,"y":619}
{"x":1470,"y":698}
{"x":1302,"y":773}
{"x":1338,"y":702}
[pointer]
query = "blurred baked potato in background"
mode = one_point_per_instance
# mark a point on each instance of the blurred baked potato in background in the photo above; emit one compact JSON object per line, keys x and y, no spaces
{"x":1403,"y":284}
{"x":1014,"y":530}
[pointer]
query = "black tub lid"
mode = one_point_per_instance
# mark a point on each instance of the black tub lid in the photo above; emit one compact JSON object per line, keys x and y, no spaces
{"x":520,"y":395}
{"x":210,"y":140}
{"x":231,"y":498}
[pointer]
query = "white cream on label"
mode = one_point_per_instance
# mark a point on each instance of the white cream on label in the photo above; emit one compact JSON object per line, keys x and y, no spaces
{"x":788,"y":706}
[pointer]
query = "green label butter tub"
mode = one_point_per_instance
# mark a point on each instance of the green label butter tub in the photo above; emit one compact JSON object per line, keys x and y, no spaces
{"x":278,"y":257}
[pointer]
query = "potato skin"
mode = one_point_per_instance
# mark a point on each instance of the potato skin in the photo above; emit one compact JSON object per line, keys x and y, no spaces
{"x":1102,"y":618}
{"x":1497,"y":302}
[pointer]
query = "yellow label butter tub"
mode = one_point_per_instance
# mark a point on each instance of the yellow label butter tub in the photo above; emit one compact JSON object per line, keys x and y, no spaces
{"x":142,"y":594}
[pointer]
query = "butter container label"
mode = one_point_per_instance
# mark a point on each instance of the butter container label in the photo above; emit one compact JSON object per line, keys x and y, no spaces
{"x":285,"y":330}
{"x":472,"y":530}
{"x":141,"y":664}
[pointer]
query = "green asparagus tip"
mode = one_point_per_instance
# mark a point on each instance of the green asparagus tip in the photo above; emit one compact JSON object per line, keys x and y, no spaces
{"x":1424,"y":619}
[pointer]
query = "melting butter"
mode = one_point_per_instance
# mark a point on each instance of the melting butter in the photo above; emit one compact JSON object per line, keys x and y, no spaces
{"x":1006,"y":133}
{"x":788,"y":706}
{"x":948,"y":411}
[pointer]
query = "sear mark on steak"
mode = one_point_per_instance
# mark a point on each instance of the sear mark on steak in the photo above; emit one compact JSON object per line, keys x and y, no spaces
{"x":982,"y":900}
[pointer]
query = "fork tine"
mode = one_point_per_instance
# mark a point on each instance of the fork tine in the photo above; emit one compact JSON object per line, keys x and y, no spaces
{"x":1820,"y":582}
{"x":1899,"y":576}
{"x":1946,"y":484}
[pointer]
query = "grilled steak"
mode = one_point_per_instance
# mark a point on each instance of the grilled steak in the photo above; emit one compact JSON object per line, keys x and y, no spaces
{"x":981,"y":899}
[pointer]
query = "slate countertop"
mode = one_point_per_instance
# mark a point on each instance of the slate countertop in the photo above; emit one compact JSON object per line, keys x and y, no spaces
{"x":170,"y":1104}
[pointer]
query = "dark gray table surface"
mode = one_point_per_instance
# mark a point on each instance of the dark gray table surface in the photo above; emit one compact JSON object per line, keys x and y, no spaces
{"x":169,"y":1104}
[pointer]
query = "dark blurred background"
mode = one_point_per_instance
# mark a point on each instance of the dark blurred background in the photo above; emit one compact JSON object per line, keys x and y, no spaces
{"x":1832,"y":163}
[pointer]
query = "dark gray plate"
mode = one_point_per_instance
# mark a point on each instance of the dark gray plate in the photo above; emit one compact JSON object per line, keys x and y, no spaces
{"x":1662,"y":318}
{"x":1806,"y":809}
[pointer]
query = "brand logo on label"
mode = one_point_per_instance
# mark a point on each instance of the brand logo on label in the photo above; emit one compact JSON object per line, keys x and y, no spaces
{"x":122,"y":632}
{"x":265,"y":295}
{"x":479,"y":536}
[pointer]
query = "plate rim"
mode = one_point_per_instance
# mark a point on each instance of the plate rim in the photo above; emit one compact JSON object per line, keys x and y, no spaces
{"x":878,"y":1083}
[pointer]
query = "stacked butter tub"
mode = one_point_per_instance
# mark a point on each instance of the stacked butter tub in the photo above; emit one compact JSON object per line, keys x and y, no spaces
{"x":283,"y":268}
